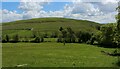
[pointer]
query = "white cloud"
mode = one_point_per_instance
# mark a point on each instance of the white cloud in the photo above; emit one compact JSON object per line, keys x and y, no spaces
{"x":8,"y":16}
{"x":31,"y":6}
{"x":102,"y":12}
{"x":98,"y":11}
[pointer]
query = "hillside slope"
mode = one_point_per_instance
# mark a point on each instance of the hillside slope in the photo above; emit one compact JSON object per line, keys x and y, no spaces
{"x":46,"y":25}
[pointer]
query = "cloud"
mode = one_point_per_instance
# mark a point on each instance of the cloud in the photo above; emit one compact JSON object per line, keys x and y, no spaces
{"x":31,"y":6}
{"x":8,"y":16}
{"x":94,"y":11}
{"x":102,"y":12}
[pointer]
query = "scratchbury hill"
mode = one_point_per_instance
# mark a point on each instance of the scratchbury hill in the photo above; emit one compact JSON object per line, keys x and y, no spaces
{"x":47,"y":25}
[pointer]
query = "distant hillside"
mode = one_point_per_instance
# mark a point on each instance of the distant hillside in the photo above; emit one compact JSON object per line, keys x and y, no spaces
{"x":26,"y":27}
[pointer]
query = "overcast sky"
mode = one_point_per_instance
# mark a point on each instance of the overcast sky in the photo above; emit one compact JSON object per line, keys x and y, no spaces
{"x":101,"y":11}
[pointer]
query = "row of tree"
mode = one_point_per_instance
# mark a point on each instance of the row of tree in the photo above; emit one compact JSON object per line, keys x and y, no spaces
{"x":16,"y":38}
{"x":107,"y":36}
{"x":69,"y":36}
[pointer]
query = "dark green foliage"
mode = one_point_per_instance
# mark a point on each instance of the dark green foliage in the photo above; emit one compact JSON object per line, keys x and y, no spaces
{"x":70,"y":38}
{"x":34,"y":34}
{"x":98,"y":27}
{"x":78,"y":35}
{"x":42,"y":39}
{"x":54,"y":35}
{"x":92,"y":40}
{"x":15,"y":38}
{"x":106,"y":36}
{"x":118,"y":26}
{"x":37,"y":40}
{"x":45,"y":35}
{"x":96,"y":37}
{"x":60,"y":29}
{"x":118,"y":33}
{"x":118,"y":63}
{"x":108,"y":33}
{"x":64,"y":35}
{"x":59,"y":38}
{"x":83,"y":36}
{"x":7,"y":38}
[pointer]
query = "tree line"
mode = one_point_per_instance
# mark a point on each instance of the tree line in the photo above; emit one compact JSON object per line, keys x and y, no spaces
{"x":107,"y":36}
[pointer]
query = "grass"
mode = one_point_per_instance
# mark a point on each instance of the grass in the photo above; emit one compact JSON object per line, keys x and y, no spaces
{"x":47,"y":25}
{"x":51,"y":54}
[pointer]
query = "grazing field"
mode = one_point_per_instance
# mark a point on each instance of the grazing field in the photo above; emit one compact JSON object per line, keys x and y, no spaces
{"x":46,"y":25}
{"x":55,"y":55}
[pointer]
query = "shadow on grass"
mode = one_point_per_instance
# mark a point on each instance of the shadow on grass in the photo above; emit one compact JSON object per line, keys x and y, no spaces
{"x":118,"y":63}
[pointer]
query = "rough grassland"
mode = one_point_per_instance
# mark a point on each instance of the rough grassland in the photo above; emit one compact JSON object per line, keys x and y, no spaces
{"x":55,"y":55}
{"x":47,"y":25}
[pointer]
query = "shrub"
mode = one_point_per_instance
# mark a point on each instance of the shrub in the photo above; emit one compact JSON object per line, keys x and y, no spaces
{"x":15,"y":38}
{"x":59,"y":38}
{"x":54,"y":35}
{"x":42,"y":39}
{"x":83,"y":36}
{"x":7,"y":38}
{"x":37,"y":40}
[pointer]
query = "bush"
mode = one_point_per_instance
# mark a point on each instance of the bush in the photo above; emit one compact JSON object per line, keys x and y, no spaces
{"x":37,"y":40}
{"x":15,"y":38}
{"x":54,"y":35}
{"x":108,"y":34}
{"x":83,"y":37}
{"x":42,"y":39}
{"x":59,"y":38}
{"x":45,"y":35}
{"x":7,"y":38}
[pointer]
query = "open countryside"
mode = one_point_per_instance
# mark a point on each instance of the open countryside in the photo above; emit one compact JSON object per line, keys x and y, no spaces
{"x":47,"y":43}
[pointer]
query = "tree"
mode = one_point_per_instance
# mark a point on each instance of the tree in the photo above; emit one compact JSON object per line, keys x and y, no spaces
{"x":42,"y":39}
{"x":16,"y":38}
{"x":54,"y":35}
{"x":59,"y":38}
{"x":7,"y":38}
{"x":34,"y":34}
{"x":78,"y":35}
{"x":60,"y":29}
{"x":96,"y":37}
{"x":64,"y":34}
{"x":70,"y":35}
{"x":118,"y":32}
{"x":37,"y":40}
{"x":108,"y":33}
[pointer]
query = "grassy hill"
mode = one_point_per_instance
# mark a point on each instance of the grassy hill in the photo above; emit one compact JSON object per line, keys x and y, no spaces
{"x":46,"y":25}
{"x":50,"y":53}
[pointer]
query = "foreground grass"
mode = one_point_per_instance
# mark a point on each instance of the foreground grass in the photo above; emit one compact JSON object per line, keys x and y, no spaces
{"x":55,"y":55}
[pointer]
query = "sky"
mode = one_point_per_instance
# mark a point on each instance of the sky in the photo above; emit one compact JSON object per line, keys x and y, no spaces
{"x":101,"y":11}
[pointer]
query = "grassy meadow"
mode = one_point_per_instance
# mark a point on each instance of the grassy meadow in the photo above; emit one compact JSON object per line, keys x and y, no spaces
{"x":52,"y":54}
{"x":46,"y":25}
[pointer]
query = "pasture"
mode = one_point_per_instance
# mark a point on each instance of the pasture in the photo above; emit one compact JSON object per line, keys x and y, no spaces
{"x":51,"y":54}
{"x":46,"y":25}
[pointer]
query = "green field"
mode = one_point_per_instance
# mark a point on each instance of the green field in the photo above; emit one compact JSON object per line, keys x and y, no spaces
{"x":51,"y":54}
{"x":46,"y":25}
